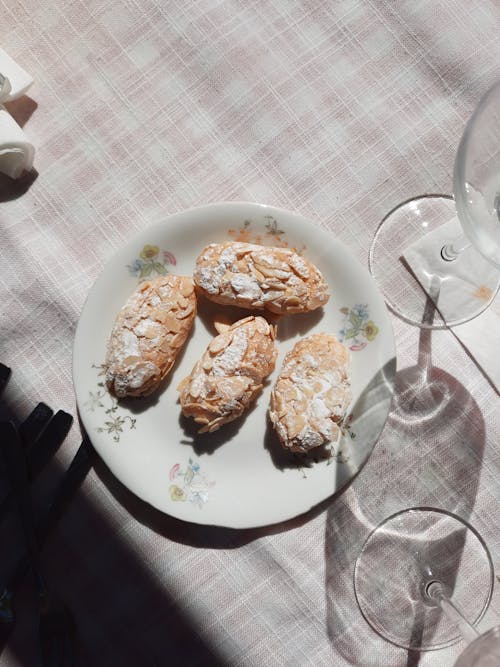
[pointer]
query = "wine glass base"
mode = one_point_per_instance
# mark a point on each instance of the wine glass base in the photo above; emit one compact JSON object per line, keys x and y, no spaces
{"x":407,"y":224}
{"x":398,"y":562}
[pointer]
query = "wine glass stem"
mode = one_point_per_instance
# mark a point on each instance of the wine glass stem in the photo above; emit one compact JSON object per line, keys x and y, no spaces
{"x":436,"y":592}
{"x":451,"y":251}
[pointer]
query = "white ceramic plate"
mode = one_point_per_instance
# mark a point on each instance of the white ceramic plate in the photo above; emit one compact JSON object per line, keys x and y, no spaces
{"x":239,"y":476}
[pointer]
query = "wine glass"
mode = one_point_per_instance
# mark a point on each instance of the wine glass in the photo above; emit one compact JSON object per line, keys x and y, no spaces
{"x":423,"y":580}
{"x":445,"y":247}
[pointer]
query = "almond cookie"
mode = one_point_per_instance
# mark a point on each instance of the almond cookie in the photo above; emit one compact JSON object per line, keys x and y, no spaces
{"x":230,"y":374}
{"x":148,"y":333}
{"x":312,"y":393}
{"x":277,"y":280}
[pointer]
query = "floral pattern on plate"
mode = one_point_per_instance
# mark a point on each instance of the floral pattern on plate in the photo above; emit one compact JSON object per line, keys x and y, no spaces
{"x":101,"y":400}
{"x":357,"y":328}
{"x":271,"y":235}
{"x":151,"y":261}
{"x":191,"y":485}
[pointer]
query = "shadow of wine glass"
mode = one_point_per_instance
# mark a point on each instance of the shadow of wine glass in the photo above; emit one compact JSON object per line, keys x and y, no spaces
{"x":436,"y":434}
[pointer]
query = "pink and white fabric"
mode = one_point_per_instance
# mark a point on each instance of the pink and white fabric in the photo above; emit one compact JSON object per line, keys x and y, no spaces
{"x":338,"y":110}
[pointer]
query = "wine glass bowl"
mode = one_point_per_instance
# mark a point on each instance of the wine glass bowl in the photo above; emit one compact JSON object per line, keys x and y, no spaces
{"x":476,"y":177}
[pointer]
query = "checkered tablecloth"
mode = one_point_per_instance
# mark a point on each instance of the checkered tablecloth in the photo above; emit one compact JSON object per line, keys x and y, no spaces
{"x":337,"y":109}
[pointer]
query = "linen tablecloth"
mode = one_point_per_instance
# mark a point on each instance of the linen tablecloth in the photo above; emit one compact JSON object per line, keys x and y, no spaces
{"x":335,"y":109}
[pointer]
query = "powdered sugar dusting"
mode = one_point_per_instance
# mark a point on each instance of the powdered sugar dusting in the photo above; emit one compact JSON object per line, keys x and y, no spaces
{"x":299,"y":266}
{"x":127,"y":345}
{"x":229,"y":361}
{"x":246,"y":286}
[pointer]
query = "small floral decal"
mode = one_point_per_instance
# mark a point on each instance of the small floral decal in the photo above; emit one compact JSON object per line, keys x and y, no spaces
{"x":346,"y":429}
{"x":151,"y":261}
{"x":357,"y":330}
{"x":483,"y":293}
{"x":271,"y":235}
{"x":339,"y":456}
{"x":191,"y":485}
{"x":176,"y":493}
{"x":114,"y":422}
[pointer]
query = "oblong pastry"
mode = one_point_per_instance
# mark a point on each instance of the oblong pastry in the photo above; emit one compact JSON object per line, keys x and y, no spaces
{"x":258,"y":277}
{"x":230,"y":373}
{"x":148,"y":333}
{"x":312,"y":393}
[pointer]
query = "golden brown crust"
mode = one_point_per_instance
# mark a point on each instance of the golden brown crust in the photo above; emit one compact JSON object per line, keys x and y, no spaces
{"x":230,"y":373}
{"x":148,"y":333}
{"x":277,"y":280}
{"x":312,"y":393}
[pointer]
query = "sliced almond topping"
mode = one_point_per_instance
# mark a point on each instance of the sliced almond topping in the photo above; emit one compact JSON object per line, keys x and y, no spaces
{"x":221,"y":327}
{"x":182,"y":384}
{"x":266,"y":271}
{"x":213,"y":426}
{"x":242,"y":250}
{"x":260,"y":276}
{"x":160,"y":314}
{"x":207,"y":363}
{"x":177,"y":340}
{"x":245,"y":320}
{"x":151,"y":333}
{"x":132,"y":359}
{"x":166,"y":345}
{"x":195,"y":391}
{"x":172,"y":323}
{"x":272,"y":295}
{"x":187,"y":287}
{"x":188,"y":310}
{"x":296,"y":426}
{"x":219,"y":343}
